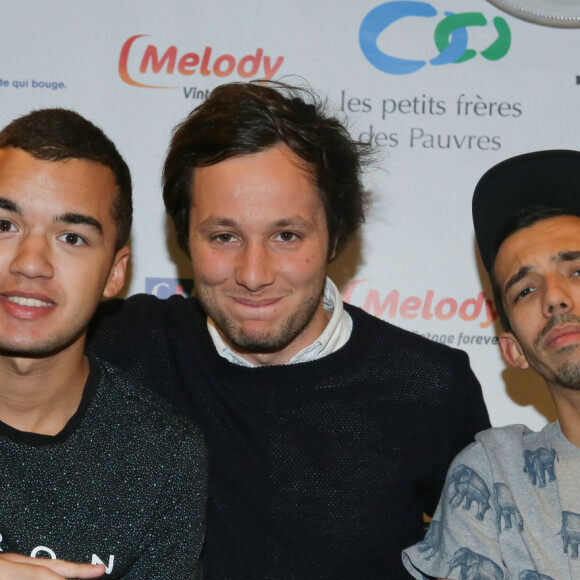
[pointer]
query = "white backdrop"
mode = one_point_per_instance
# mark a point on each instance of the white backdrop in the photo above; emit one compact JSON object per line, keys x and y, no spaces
{"x":448,"y":88}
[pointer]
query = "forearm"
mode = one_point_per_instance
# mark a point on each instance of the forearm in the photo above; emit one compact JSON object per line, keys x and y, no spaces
{"x":16,"y":567}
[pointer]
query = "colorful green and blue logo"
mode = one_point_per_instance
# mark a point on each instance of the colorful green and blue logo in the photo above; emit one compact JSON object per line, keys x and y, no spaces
{"x":451,"y":36}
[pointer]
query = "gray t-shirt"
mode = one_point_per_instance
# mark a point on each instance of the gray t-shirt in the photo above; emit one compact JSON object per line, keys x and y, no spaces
{"x":510,"y":508}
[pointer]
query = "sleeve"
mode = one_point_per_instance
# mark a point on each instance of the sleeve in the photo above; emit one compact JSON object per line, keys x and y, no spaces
{"x":461,"y":417}
{"x":143,"y":335}
{"x":172,"y":546}
{"x":123,"y":332}
{"x":463,"y":534}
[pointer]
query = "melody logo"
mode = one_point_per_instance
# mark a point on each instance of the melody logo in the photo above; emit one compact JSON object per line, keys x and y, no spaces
{"x":140,"y":59}
{"x":451,"y":36}
{"x":427,"y":307}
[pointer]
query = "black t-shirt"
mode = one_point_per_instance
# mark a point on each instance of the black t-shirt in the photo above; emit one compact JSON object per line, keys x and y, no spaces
{"x":123,"y":484}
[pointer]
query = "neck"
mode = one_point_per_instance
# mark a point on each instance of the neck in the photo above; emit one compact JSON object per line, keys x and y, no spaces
{"x":40,"y":395}
{"x":567,"y":403}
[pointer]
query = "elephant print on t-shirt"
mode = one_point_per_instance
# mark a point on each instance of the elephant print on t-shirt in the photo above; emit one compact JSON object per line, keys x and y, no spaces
{"x":506,"y":508}
{"x":570,"y":533}
{"x":474,"y":566}
{"x":432,"y":540}
{"x":533,"y":575}
{"x":537,"y":463}
{"x":466,"y":485}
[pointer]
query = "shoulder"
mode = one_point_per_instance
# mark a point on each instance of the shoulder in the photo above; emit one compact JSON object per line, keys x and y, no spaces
{"x":132,"y":324}
{"x":403,"y":345}
{"x":144,"y":414}
{"x":474,"y":453}
{"x":492,"y":448}
{"x":140,"y":304}
{"x":385,"y":331}
{"x":498,"y":439}
{"x":500,"y":449}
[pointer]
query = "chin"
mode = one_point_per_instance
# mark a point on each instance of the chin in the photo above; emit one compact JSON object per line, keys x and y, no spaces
{"x":568,"y":376}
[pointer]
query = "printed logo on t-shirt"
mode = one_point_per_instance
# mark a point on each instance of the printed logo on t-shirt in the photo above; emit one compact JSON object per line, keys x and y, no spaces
{"x":45,"y":552}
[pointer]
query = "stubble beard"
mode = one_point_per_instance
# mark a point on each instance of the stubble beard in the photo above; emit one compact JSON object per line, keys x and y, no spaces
{"x":567,"y":375}
{"x":242,"y":340}
{"x":46,"y":347}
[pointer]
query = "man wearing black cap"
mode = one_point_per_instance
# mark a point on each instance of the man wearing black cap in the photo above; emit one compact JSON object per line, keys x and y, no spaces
{"x":518,"y":489}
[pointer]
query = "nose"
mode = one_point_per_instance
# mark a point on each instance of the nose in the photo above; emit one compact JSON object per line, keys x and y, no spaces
{"x":32,"y":258}
{"x":557,"y":298}
{"x":254,"y":268}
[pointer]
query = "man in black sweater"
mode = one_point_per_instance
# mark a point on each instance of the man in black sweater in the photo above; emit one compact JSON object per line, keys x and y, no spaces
{"x":329,"y":431}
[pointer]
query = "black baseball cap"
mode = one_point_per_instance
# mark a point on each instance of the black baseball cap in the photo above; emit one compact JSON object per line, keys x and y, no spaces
{"x":548,"y":179}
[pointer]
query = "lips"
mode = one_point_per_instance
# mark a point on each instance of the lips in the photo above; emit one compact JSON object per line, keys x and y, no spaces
{"x":25,"y":305}
{"x":255,"y":303}
{"x":562,"y":335}
{"x":34,"y":302}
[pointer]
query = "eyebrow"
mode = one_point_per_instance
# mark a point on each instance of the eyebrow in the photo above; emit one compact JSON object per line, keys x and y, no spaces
{"x":293,"y":222}
{"x":79,"y":219}
{"x":67,"y":218}
{"x":281,"y":223}
{"x":521,"y":273}
{"x":8,"y":205}
{"x":217,"y":222}
{"x":567,"y":256}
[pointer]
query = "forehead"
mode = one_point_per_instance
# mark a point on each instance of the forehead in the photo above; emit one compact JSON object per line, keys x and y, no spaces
{"x":270,"y":181}
{"x":537,"y":246}
{"x":74,"y":182}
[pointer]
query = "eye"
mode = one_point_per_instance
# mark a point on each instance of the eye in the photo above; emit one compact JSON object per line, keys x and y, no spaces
{"x":224,"y":238}
{"x":72,"y":239}
{"x":6,"y":226}
{"x":287,"y":236}
{"x":523,"y":293}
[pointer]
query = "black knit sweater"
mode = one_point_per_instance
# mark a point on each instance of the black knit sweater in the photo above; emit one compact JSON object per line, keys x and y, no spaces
{"x":317,"y":470}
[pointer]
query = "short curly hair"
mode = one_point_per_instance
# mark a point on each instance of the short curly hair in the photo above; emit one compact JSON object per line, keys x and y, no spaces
{"x":244,"y":118}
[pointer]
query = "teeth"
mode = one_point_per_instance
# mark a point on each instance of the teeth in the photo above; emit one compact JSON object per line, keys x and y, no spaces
{"x":27,"y":301}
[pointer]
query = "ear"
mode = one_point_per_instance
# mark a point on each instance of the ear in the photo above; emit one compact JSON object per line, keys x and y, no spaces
{"x":512,"y":351}
{"x":116,"y":279}
{"x":331,"y":250}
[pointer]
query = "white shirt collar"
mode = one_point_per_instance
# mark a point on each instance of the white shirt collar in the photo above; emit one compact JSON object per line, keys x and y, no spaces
{"x":334,"y":336}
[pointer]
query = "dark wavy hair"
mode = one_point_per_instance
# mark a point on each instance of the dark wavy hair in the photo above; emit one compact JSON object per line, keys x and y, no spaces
{"x":244,"y":118}
{"x":60,"y":134}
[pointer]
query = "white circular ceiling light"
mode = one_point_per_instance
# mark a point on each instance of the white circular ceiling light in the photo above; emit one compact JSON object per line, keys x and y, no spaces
{"x":558,"y":13}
